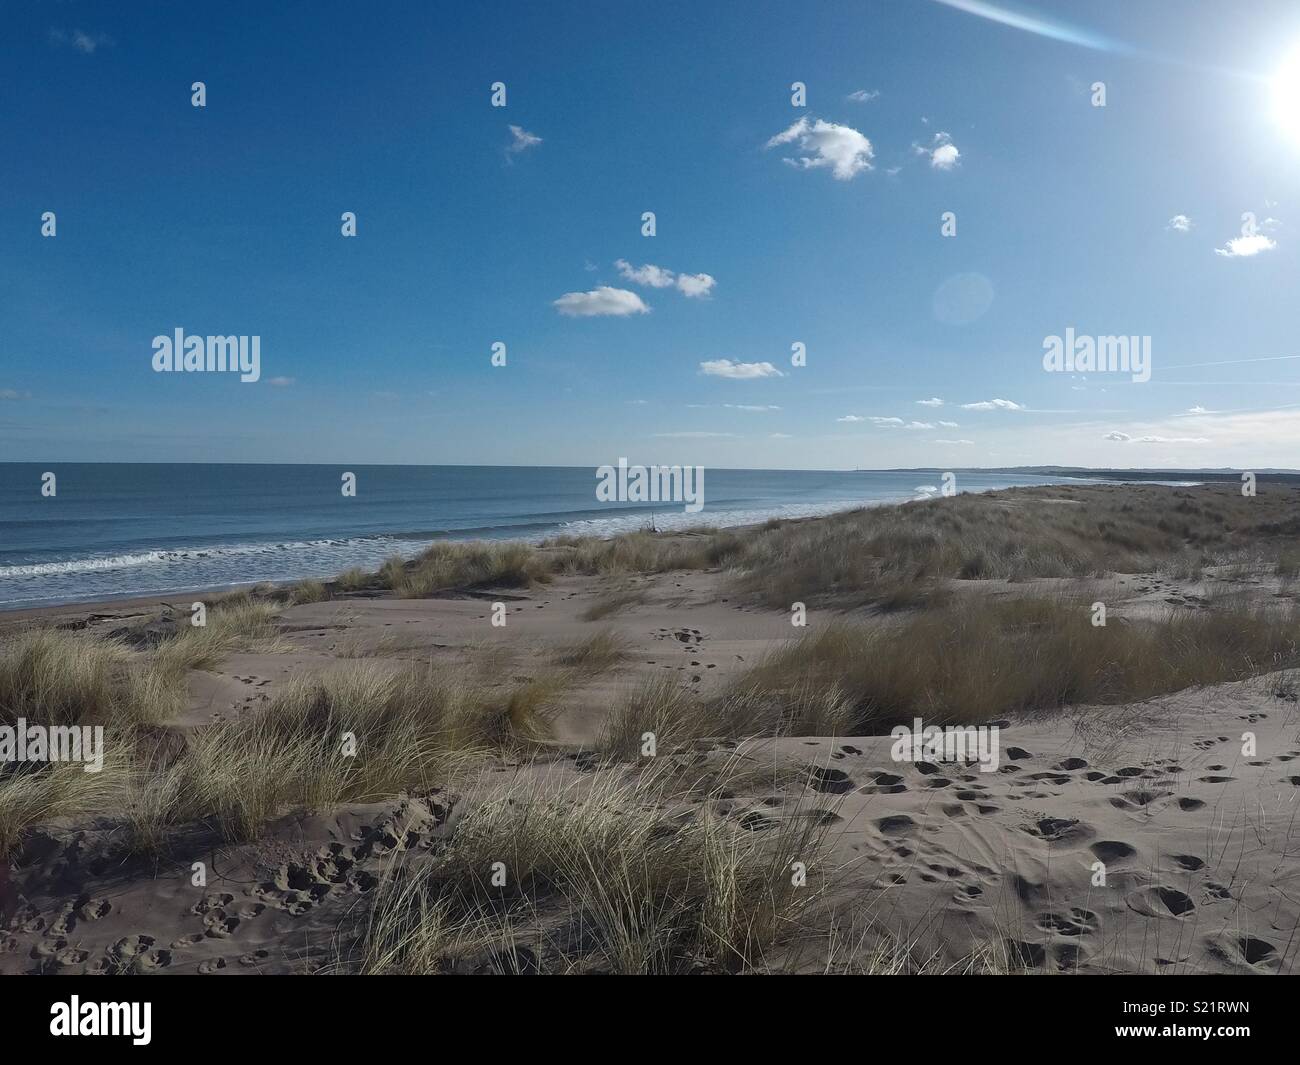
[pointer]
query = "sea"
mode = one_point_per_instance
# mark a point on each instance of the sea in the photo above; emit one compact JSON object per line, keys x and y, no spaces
{"x":118,"y":530}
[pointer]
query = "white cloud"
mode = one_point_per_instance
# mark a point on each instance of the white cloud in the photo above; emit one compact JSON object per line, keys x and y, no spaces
{"x":1171,"y":440}
{"x":753,"y":408}
{"x":933,"y":401}
{"x":603,"y":300}
{"x":825,"y":144}
{"x":738,"y":370}
{"x":692,"y":286}
{"x":85,"y":43}
{"x":992,"y":404}
{"x":780,"y":436}
{"x":949,"y":425}
{"x":281,"y":382}
{"x":862,"y":96}
{"x":962,"y":442}
{"x":648,"y":275}
{"x":1181,"y":223}
{"x":522,"y":140}
{"x":1124,"y":438}
{"x":1198,"y":410}
{"x":894,"y":423}
{"x":851,"y":418}
{"x":943,"y":154}
{"x":1244,"y":247}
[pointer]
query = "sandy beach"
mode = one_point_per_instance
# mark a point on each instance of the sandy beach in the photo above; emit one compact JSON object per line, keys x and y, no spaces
{"x":1111,"y":833}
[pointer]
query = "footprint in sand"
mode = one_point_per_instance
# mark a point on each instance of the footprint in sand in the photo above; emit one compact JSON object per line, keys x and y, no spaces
{"x":833,"y":781}
{"x":1061,"y":830}
{"x":1137,"y":799}
{"x":1076,"y":922}
{"x":1247,"y":952}
{"x":883,"y":783}
{"x":1160,"y":901}
{"x":1111,"y":851}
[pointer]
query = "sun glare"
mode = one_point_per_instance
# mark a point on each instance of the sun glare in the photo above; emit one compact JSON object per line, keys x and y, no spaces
{"x":1286,"y":94}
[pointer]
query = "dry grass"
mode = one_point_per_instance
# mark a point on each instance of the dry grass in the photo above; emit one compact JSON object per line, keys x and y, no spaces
{"x":51,"y":677}
{"x":600,"y":875}
{"x":237,"y":622}
{"x":669,"y":717}
{"x":644,"y":552}
{"x":33,"y":794}
{"x":979,"y":659}
{"x":601,"y":651}
{"x":308,"y":591}
{"x":356,"y":734}
{"x":902,"y":556}
{"x":354,"y":580}
{"x":613,"y":602}
{"x":447,"y":567}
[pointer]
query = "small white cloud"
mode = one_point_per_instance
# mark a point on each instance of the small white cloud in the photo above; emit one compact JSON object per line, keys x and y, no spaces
{"x":1198,"y":410}
{"x":779,"y":436}
{"x":753,"y":408}
{"x":738,"y":370}
{"x":638,"y":402}
{"x":1118,"y":437}
{"x":942,"y":153}
{"x":1171,"y":440}
{"x":962,"y":442}
{"x":949,"y":425}
{"x":601,"y":301}
{"x":522,"y":140}
{"x":1180,"y":223}
{"x":863,"y":96}
{"x":281,"y":382}
{"x":825,"y":144}
{"x":992,"y":404}
{"x":918,"y":425}
{"x":933,"y":401}
{"x":649,"y":275}
{"x":851,"y":418}
{"x":695,"y":286}
{"x":85,"y":43}
{"x":886,"y":422}
{"x":1244,"y":247}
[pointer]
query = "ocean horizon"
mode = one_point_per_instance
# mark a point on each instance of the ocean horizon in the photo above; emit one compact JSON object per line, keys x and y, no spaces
{"x":118,"y":530}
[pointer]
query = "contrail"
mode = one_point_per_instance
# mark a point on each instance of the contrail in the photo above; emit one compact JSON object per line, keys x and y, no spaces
{"x":1234,"y":362}
{"x":1022,"y":18}
{"x":1044,"y":27}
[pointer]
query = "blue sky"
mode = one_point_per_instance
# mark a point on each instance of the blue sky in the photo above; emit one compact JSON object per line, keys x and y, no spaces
{"x":819,"y":225}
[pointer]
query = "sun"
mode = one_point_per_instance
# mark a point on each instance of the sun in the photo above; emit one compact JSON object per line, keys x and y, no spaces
{"x":1286,"y":94}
